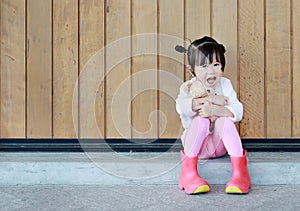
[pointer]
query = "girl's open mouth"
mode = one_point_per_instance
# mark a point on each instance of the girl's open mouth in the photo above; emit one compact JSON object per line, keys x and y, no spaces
{"x":211,"y":80}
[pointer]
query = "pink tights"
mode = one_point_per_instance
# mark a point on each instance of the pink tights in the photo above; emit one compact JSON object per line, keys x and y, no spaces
{"x":225,"y":138}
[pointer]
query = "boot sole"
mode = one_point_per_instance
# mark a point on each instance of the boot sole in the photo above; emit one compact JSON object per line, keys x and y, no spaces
{"x":234,"y":190}
{"x":202,"y":189}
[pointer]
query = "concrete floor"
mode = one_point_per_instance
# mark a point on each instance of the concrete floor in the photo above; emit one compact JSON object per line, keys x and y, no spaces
{"x":141,"y":181}
{"x":145,"y":197}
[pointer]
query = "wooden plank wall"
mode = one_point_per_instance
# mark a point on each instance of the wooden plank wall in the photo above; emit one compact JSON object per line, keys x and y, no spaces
{"x":108,"y":69}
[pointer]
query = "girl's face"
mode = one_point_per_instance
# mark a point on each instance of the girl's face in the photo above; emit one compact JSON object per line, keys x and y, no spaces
{"x":209,"y":73}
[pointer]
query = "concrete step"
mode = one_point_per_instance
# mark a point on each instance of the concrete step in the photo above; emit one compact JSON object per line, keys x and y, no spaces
{"x":110,"y":168}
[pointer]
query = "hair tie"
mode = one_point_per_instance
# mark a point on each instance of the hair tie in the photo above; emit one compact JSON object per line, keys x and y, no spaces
{"x":180,"y":49}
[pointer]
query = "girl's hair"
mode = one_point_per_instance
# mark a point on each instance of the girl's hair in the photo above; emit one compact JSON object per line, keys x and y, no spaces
{"x":202,"y":49}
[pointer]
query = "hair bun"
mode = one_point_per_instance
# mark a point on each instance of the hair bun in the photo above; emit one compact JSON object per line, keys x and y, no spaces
{"x":180,"y":49}
{"x":222,"y":48}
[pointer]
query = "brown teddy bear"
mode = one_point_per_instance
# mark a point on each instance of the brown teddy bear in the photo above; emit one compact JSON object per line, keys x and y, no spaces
{"x":196,"y":89}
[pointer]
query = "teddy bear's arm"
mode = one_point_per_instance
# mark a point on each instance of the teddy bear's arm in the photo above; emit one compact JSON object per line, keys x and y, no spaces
{"x":218,"y":99}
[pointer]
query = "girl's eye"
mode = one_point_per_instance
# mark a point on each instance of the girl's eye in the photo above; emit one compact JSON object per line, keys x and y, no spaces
{"x":216,"y":64}
{"x":204,"y":66}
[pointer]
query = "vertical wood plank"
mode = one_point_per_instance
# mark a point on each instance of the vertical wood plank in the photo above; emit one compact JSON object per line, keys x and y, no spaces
{"x":251,"y":59}
{"x":65,"y":67}
{"x":197,"y":21}
{"x":118,"y":69}
{"x":144,"y":69}
{"x":296,"y":68}
{"x":39,"y":69}
{"x":224,"y":30}
{"x":278,"y":68}
{"x":91,"y":86}
{"x":13,"y":69}
{"x":244,"y":45}
{"x":171,"y":69}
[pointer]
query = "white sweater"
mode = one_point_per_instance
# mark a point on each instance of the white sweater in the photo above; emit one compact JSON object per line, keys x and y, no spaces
{"x":224,"y":87}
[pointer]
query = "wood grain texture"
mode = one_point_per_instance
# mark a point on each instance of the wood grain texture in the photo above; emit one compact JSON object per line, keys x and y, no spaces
{"x":278,"y":68}
{"x":224,"y":30}
{"x":128,"y":76}
{"x":39,"y":68}
{"x":91,"y":60}
{"x":171,"y":65}
{"x":13,"y":70}
{"x":251,"y":62}
{"x":118,"y":69}
{"x":65,"y":68}
{"x":144,"y":69}
{"x":197,"y":22}
{"x":296,"y":68}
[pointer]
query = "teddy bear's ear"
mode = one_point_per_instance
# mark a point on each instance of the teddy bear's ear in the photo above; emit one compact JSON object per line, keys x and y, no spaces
{"x":187,"y":86}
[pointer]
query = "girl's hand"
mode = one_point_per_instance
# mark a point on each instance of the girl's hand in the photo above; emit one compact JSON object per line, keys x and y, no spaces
{"x":195,"y":104}
{"x":206,"y":109}
{"x":213,"y":99}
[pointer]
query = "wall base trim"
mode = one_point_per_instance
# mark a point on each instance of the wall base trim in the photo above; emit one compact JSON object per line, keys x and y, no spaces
{"x":132,"y":145}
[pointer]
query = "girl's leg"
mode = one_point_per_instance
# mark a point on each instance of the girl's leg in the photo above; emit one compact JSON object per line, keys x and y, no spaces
{"x":189,"y":179}
{"x":227,"y":132}
{"x":240,"y":180}
{"x":195,"y":136}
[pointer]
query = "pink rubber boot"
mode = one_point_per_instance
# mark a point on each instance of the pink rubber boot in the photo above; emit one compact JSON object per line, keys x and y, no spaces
{"x":240,"y":181}
{"x":189,"y":180}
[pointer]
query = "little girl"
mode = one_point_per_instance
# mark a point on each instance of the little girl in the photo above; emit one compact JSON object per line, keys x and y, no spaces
{"x":206,"y":64}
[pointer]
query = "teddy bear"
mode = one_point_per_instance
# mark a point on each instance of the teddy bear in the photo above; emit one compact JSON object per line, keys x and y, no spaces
{"x":196,"y":89}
